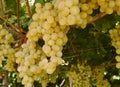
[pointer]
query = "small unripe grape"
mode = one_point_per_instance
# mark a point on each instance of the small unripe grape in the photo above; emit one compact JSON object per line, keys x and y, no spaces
{"x":62,"y":21}
{"x":65,"y":39}
{"x":69,"y":3}
{"x":59,"y":42}
{"x":74,"y":10}
{"x":33,"y":25}
{"x":38,"y":5}
{"x":54,"y":36}
{"x":28,"y":84}
{"x":51,"y":67}
{"x":111,"y":4}
{"x":46,"y":37}
{"x":52,"y":53}
{"x":46,"y":25}
{"x":71,"y":20}
{"x":61,"y":34}
{"x":43,"y":64}
{"x":50,"y":19}
{"x":117,"y":2}
{"x":117,"y":65}
{"x":53,"y":13}
{"x":48,"y":6}
{"x":59,"y":54}
{"x":56,"y":60}
{"x":84,"y":7}
{"x":3,"y":32}
{"x":83,"y":15}
{"x":46,"y":49}
{"x":65,"y":11}
{"x":75,"y":2}
{"x":118,"y":51}
{"x":117,"y":58}
{"x":35,"y":17}
{"x":109,"y":10}
{"x":56,"y":48}
{"x":61,"y":5}
{"x":51,"y":42}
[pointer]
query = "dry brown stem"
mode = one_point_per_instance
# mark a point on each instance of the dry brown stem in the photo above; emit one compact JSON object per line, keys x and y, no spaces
{"x":28,"y":8}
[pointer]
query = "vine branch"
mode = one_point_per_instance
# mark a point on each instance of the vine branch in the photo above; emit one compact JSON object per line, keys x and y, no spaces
{"x":18,"y":13}
{"x":106,"y":65}
{"x":28,"y":8}
{"x":97,"y":16}
{"x":74,"y":48}
{"x":11,"y":25}
{"x":2,"y":9}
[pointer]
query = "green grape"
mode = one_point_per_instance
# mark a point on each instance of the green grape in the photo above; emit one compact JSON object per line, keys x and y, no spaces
{"x":6,"y":49}
{"x":114,"y":34}
{"x":80,"y":77}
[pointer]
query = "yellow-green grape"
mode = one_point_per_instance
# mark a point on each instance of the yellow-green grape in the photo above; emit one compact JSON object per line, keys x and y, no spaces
{"x":80,"y":77}
{"x":117,"y":58}
{"x":98,"y":76}
{"x":29,"y":59}
{"x":51,"y":66}
{"x":115,"y":36}
{"x":46,"y":49}
{"x":109,"y":6}
{"x":50,"y":31}
{"x":118,"y":65}
{"x":7,"y":51}
{"x":68,"y":10}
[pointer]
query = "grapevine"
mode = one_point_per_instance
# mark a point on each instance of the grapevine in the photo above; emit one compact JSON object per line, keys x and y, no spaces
{"x":38,"y":53}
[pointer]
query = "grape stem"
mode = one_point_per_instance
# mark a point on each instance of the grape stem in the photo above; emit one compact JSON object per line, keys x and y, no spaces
{"x":70,"y":82}
{"x":106,"y":65}
{"x":5,"y":80}
{"x":97,"y":16}
{"x":11,"y":25}
{"x":28,"y":8}
{"x":20,"y":42}
{"x":74,"y":48}
{"x":62,"y":83}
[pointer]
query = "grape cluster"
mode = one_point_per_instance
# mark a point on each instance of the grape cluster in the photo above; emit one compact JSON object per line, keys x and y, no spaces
{"x":44,"y":26}
{"x":73,"y":12}
{"x":81,"y":76}
{"x":109,"y":6}
{"x":31,"y":62}
{"x":6,"y":50}
{"x":98,"y":76}
{"x":51,"y":23}
{"x":115,"y":36}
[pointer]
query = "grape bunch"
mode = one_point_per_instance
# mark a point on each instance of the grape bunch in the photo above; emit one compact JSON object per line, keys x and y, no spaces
{"x":98,"y":77}
{"x":44,"y":26}
{"x":73,"y":12}
{"x":115,"y":36}
{"x":6,"y":49}
{"x":80,"y":76}
{"x":109,"y":6}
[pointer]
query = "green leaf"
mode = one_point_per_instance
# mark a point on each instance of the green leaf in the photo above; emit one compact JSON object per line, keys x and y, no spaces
{"x":10,"y":6}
